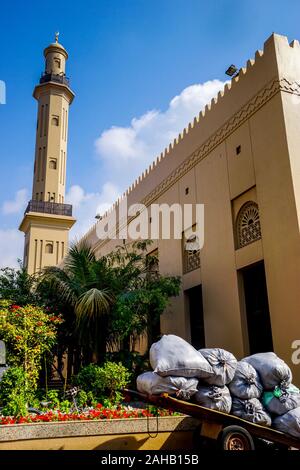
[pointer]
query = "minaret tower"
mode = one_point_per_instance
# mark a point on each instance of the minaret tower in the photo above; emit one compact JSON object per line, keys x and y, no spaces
{"x":47,"y":219}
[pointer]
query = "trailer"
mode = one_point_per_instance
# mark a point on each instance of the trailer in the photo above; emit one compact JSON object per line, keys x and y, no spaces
{"x":229,"y":432}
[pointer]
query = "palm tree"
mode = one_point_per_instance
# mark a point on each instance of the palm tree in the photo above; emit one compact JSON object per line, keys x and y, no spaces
{"x":112,"y":300}
{"x":84,"y":284}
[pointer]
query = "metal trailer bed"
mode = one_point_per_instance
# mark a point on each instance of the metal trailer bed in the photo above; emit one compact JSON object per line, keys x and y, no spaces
{"x":230,"y":432}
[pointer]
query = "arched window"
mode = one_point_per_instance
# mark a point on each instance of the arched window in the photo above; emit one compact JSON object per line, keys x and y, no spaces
{"x":55,"y":120}
{"x":248,"y":224}
{"x":49,"y":248}
{"x":52,"y":164}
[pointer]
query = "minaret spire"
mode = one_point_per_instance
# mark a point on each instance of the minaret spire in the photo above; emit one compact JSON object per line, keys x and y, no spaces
{"x":47,"y":218}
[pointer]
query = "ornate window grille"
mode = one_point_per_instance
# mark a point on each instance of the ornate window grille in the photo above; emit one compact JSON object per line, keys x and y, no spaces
{"x":248,"y":224}
{"x":191,"y":253}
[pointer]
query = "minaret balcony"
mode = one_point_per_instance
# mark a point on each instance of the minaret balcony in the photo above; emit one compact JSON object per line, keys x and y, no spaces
{"x":49,"y":208}
{"x":53,"y":77}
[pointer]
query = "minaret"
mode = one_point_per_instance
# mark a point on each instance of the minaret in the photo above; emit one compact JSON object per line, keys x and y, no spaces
{"x":47,"y":219}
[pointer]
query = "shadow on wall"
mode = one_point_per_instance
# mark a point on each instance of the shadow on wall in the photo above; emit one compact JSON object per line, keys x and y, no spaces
{"x":179,"y":439}
{"x":121,"y":443}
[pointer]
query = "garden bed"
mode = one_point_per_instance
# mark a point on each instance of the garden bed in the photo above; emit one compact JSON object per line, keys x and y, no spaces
{"x":146,"y":433}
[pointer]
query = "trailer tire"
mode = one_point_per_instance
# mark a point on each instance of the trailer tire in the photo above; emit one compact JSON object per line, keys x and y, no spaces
{"x":235,"y":438}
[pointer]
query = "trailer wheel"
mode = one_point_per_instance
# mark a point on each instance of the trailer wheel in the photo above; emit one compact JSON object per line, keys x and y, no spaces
{"x":235,"y":438}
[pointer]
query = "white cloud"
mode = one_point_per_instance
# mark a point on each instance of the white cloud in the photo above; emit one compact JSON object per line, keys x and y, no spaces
{"x":125,"y":152}
{"x":131,"y":149}
{"x":18,"y":204}
{"x":11,"y":247}
{"x":87,"y":205}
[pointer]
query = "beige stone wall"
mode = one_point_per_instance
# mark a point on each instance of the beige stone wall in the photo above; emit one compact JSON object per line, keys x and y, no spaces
{"x":51,"y":145}
{"x":43,"y":231}
{"x":259,"y":113}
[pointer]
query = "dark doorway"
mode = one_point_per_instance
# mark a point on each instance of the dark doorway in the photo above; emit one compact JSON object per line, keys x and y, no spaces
{"x":195,"y":311}
{"x":257,"y":309}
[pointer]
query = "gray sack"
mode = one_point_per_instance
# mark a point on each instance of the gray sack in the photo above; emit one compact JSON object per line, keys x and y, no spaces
{"x":246,"y":383}
{"x":289,"y":423}
{"x":223,"y":364}
{"x":272,"y":370}
{"x":172,"y":355}
{"x":153,"y":384}
{"x":213,"y":397}
{"x":251,"y":410}
{"x":282,"y":400}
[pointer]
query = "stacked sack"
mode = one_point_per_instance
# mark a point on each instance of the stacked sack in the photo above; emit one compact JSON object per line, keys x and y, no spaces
{"x":280,"y":398}
{"x":258,"y":388}
{"x":213,"y":393}
{"x":246,"y":390}
{"x":181,"y":370}
{"x":177,"y":368}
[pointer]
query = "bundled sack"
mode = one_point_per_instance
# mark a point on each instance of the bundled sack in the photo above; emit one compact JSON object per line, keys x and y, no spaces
{"x":173,"y":356}
{"x":289,"y":423}
{"x":272,"y":370}
{"x":153,"y":384}
{"x":213,"y":397}
{"x":246,"y":383}
{"x":251,"y":410}
{"x":282,"y":400}
{"x":223,"y":364}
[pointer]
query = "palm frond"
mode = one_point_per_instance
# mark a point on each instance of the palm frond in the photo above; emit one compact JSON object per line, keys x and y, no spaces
{"x":93,"y":304}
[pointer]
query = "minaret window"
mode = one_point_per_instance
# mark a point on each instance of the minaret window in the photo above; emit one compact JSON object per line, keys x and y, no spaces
{"x":53,"y":164}
{"x":49,"y":248}
{"x":46,"y":120}
{"x":57,"y":62}
{"x":55,"y":120}
{"x":42,"y":120}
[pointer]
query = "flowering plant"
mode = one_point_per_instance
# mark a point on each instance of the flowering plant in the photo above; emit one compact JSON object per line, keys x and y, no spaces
{"x":29,"y":332}
{"x":99,"y":412}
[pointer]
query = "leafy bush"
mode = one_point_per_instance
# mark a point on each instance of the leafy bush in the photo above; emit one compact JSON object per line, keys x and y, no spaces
{"x":65,"y":406}
{"x":134,"y":361}
{"x":29,"y":332}
{"x":89,"y":379}
{"x":104,"y":382}
{"x":52,"y":398}
{"x":13,"y":394}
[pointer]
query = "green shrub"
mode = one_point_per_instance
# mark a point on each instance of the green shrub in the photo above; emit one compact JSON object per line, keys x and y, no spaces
{"x":132,"y":360}
{"x":13,"y":395}
{"x":89,"y":379}
{"x":104,"y":382}
{"x":82,"y":399}
{"x":53,"y":397}
{"x":65,"y":406}
{"x":115,"y":377}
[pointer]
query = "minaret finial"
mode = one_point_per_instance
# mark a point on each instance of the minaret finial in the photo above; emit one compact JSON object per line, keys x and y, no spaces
{"x":56,"y":36}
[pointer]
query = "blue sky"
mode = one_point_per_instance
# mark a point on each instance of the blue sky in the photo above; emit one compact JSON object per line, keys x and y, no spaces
{"x":128,"y":59}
